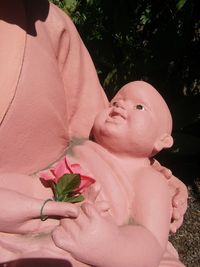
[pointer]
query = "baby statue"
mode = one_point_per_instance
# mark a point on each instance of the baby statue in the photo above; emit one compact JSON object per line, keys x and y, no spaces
{"x":134,"y":229}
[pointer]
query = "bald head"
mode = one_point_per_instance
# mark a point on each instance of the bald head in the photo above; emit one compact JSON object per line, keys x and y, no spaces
{"x":137,"y":123}
{"x":147,"y":94}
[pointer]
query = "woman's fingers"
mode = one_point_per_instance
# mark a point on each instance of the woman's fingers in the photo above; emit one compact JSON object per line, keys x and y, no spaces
{"x":174,"y":226}
{"x":53,"y":208}
{"x":158,"y":167}
{"x":180,"y":200}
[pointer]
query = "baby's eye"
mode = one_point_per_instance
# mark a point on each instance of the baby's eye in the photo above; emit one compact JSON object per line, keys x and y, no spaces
{"x":139,"y":107}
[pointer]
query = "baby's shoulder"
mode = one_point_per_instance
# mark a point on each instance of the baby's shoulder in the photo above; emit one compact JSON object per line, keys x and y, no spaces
{"x":148,"y":176}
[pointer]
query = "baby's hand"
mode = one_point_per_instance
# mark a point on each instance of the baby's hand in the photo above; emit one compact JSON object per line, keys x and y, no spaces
{"x":91,"y":194}
{"x":87,"y":237}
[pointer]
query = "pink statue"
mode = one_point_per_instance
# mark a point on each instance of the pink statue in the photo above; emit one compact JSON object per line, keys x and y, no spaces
{"x":134,"y":231}
{"x":46,"y":78}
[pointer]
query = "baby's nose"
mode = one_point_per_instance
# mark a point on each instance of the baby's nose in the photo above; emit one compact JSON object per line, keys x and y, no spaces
{"x":124,"y":104}
{"x":119,"y":103}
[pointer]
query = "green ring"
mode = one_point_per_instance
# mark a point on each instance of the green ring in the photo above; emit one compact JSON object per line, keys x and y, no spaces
{"x":42,"y":216}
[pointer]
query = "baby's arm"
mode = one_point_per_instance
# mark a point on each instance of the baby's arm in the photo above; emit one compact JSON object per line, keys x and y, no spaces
{"x":97,"y":240}
{"x":152,"y":204}
{"x":179,"y":195}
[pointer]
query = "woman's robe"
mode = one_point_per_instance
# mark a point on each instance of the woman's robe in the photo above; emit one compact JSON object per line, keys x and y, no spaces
{"x":49,"y":87}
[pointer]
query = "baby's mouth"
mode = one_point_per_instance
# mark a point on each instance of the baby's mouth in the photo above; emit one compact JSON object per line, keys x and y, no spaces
{"x":118,"y":113}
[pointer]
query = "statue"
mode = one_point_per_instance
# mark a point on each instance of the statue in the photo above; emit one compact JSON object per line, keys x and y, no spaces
{"x":134,"y":230}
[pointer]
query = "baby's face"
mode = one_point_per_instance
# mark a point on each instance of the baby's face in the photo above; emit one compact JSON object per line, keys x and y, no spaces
{"x":130,"y":121}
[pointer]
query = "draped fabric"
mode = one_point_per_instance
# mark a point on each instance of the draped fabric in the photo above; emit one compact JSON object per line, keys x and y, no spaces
{"x":49,"y":90}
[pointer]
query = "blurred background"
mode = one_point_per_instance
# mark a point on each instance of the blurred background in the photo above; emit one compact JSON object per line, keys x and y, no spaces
{"x":158,"y":42}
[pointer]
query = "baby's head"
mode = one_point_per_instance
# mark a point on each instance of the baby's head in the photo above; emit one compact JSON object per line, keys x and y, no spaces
{"x":138,"y":122}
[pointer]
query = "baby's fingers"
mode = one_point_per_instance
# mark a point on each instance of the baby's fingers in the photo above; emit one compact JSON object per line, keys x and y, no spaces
{"x":92,"y":192}
{"x":89,"y":210}
{"x":102,"y":207}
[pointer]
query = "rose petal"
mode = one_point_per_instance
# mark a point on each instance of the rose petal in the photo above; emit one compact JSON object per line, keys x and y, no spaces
{"x":68,"y":165}
{"x":53,"y":172}
{"x":86,"y":181}
{"x":60,"y":169}
{"x":46,"y":176}
{"x":76,"y":168}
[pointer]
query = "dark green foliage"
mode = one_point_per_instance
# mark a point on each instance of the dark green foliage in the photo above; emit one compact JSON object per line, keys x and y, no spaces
{"x":152,"y":40}
{"x":60,"y":3}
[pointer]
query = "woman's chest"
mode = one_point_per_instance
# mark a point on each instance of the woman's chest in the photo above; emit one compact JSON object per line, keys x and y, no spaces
{"x":34,"y":130}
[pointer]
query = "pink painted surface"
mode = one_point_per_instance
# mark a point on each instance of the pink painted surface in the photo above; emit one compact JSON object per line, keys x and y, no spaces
{"x":136,"y":126}
{"x":47,"y":84}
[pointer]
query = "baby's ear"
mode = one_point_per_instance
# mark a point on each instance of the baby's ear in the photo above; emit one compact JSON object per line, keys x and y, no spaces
{"x":164,"y":141}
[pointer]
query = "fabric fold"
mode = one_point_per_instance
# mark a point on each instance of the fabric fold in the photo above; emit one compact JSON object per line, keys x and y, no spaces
{"x":12,"y":47}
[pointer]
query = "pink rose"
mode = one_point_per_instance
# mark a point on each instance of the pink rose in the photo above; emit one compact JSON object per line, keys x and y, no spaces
{"x":67,"y":171}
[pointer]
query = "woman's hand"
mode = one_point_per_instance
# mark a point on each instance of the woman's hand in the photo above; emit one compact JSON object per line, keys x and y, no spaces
{"x":179,"y":202}
{"x":21,"y":214}
{"x":179,"y":196}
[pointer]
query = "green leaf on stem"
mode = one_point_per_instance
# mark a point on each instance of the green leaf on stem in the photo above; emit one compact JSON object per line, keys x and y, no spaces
{"x":74,"y":199}
{"x":68,"y":183}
